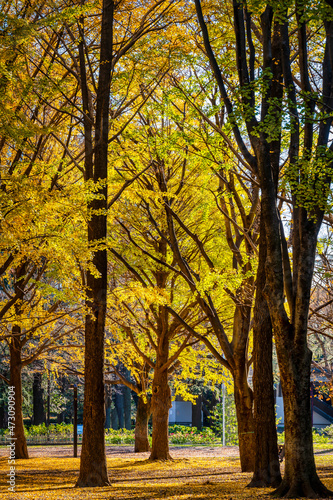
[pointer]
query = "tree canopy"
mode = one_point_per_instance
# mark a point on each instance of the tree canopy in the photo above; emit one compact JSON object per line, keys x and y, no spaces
{"x":164,"y":193}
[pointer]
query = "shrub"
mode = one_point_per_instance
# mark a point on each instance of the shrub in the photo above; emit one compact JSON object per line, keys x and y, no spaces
{"x":119,"y":436}
{"x":329,"y":432}
{"x":231,"y":427}
{"x":180,"y":434}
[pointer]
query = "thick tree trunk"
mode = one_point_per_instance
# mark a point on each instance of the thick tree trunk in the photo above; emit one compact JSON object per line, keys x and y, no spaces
{"x":242,"y":391}
{"x":141,"y":426}
{"x":294,"y":357}
{"x":300,"y":478}
{"x":266,"y":460}
{"x":21,"y":450}
{"x":93,"y":468}
{"x":160,"y":404}
{"x":243,"y":402}
{"x":38,"y":403}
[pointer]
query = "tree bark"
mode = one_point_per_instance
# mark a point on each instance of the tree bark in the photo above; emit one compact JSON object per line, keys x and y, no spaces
{"x":300,"y":478}
{"x":286,"y":279}
{"x":21,"y":450}
{"x":294,"y":357}
{"x":93,"y":468}
{"x":161,"y":403}
{"x":141,"y":426}
{"x":38,"y":403}
{"x":196,"y":413}
{"x":266,"y":460}
{"x":62,"y":381}
{"x":48,"y":402}
{"x":114,"y":413}
{"x":242,"y":391}
{"x":3,"y":416}
{"x":108,"y":401}
{"x":119,"y":403}
{"x":243,"y":402}
{"x":127,"y":407}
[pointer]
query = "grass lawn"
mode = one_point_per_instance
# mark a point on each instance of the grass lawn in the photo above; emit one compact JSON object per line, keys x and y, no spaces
{"x":134,"y":477}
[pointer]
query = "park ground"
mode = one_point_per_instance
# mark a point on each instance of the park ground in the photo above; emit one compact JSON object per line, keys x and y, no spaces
{"x":200,"y":473}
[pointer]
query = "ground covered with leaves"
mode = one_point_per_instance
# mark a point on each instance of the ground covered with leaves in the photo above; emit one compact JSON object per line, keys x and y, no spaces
{"x":196,"y":472}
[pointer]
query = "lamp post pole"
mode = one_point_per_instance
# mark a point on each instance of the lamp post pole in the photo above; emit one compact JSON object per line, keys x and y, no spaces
{"x":223,"y":414}
{"x":75,"y":421}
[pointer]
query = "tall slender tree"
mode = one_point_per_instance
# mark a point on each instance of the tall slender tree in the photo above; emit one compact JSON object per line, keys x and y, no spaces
{"x":97,"y":113}
{"x":93,"y":468}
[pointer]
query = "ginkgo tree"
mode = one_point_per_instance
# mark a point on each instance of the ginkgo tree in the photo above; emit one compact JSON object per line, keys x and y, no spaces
{"x":237,"y":198}
{"x":150,"y":287}
{"x":296,"y":143}
{"x":41,"y":289}
{"x":222,"y":222}
{"x":100,"y":50}
{"x":40,"y":280}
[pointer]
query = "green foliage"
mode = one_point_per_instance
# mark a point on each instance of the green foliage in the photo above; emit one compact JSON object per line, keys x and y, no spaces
{"x":324,"y":436}
{"x":180,"y":434}
{"x":53,"y":432}
{"x":119,"y":436}
{"x":329,"y":432}
{"x":231,"y":429}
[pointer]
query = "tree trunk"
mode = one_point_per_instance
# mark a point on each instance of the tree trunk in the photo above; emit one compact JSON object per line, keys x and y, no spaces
{"x":294,"y":357}
{"x":63,"y":384}
{"x":119,"y":403}
{"x":114,"y":413}
{"x":266,"y":460}
{"x":141,"y":426}
{"x":127,"y":407}
{"x":300,"y":478}
{"x":161,"y":403}
{"x":196,"y":413}
{"x":3,"y":406}
{"x":3,"y":417}
{"x":242,"y":391}
{"x":108,"y":417}
{"x":108,"y":401}
{"x":48,"y":402}
{"x":243,"y":402}
{"x":21,"y":450}
{"x":38,"y":403}
{"x":93,"y":468}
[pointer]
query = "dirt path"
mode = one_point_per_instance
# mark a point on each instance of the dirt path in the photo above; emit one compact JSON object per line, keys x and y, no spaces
{"x":128,"y":452}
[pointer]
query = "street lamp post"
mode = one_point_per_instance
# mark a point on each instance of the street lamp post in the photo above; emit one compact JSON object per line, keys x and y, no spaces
{"x":223,"y":414}
{"x":74,"y":386}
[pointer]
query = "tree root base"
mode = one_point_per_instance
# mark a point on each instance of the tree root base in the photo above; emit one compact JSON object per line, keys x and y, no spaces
{"x":262,"y":483}
{"x":304,"y":489}
{"x":143,"y":449}
{"x":167,"y":458}
{"x":92,"y":481}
